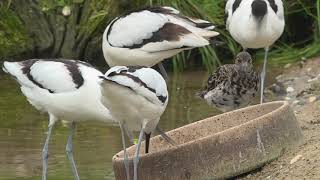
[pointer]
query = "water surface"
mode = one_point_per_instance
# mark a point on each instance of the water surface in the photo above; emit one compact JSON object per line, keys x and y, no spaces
{"x":23,"y":132}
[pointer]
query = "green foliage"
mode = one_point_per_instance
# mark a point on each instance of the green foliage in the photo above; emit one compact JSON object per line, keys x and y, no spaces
{"x":47,"y":5}
{"x":212,"y":10}
{"x":100,"y":12}
{"x":301,"y":39}
{"x":13,"y":35}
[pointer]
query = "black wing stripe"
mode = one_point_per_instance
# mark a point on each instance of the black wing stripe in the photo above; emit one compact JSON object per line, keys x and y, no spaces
{"x":138,"y":80}
{"x":203,"y":25}
{"x":71,"y":65}
{"x":273,"y":5}
{"x":109,"y":30}
{"x":168,"y":32}
{"x":75,"y":74}
{"x":226,"y":15}
{"x":26,"y":69}
{"x":74,"y":71}
{"x":235,"y":5}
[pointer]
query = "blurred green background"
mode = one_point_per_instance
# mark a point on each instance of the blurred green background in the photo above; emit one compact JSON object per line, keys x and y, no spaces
{"x":39,"y":29}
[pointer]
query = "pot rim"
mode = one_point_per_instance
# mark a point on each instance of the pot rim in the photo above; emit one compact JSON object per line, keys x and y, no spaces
{"x":283,"y":105}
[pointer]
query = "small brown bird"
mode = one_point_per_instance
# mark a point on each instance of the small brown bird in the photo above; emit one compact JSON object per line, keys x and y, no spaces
{"x":232,"y":85}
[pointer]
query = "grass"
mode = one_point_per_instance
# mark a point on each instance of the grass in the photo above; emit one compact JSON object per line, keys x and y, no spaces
{"x":288,"y":51}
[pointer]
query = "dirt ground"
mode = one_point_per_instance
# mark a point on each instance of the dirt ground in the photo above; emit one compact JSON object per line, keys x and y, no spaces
{"x":300,"y":85}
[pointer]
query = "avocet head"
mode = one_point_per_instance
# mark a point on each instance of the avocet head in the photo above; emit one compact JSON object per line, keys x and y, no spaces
{"x":145,"y":81}
{"x":4,"y":68}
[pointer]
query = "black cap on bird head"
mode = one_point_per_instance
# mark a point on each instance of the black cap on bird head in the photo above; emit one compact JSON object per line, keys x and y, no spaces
{"x":243,"y":57}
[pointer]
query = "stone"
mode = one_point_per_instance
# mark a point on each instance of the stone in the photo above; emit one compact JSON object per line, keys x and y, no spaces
{"x":295,"y":159}
{"x":290,"y":89}
{"x":312,"y":99}
{"x":287,"y":66}
{"x":278,"y":88}
{"x":295,"y":102}
{"x":314,"y":79}
{"x":279,"y":77}
{"x":301,"y":64}
{"x":66,"y":11}
{"x":301,"y":103}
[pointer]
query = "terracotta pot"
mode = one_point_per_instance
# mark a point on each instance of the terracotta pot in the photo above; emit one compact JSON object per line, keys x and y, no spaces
{"x":218,"y":147}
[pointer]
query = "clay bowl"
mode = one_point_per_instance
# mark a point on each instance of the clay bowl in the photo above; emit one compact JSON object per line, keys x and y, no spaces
{"x":218,"y":147}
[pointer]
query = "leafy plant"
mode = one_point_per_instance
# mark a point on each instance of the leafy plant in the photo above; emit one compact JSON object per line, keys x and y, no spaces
{"x":13,"y":35}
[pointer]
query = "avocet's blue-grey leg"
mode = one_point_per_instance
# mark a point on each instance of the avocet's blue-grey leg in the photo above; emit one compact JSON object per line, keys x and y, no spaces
{"x":163,"y":71}
{"x":126,"y":161}
{"x":69,"y":150}
{"x":45,"y":153}
{"x":136,"y":155}
{"x":263,"y":73}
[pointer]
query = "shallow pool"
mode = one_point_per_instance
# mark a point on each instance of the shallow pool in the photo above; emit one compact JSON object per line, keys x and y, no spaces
{"x":23,"y":132}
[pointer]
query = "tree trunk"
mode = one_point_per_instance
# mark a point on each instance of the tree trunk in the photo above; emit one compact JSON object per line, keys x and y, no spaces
{"x":56,"y":32}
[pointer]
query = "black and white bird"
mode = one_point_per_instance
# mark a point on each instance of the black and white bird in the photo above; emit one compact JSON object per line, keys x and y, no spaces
{"x":67,"y":90}
{"x":255,"y":24}
{"x":232,"y":86}
{"x":147,"y":36}
{"x":136,"y":97}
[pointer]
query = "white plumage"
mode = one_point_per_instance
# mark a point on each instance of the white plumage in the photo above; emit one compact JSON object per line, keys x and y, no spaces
{"x":250,"y":31}
{"x":46,"y":74}
{"x":147,"y":36}
{"x":139,"y":92}
{"x":255,"y":24}
{"x":121,"y":35}
{"x":66,"y":89}
{"x":49,"y":84}
{"x":136,"y":97}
